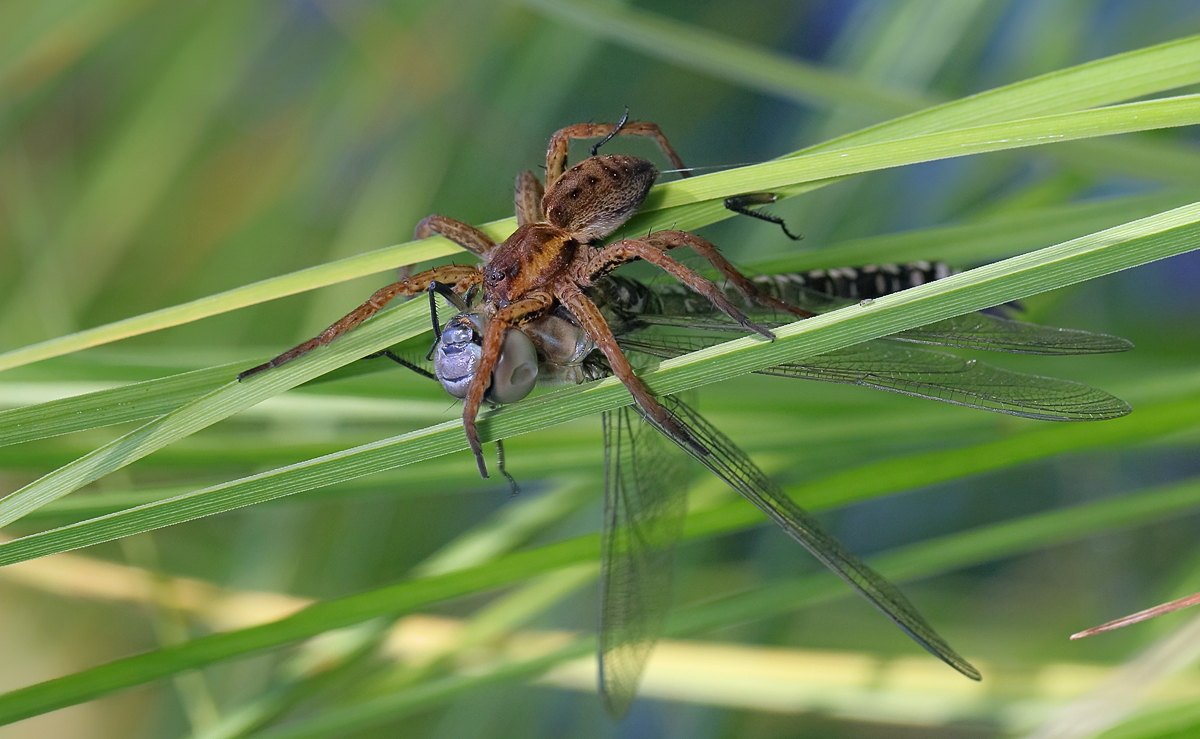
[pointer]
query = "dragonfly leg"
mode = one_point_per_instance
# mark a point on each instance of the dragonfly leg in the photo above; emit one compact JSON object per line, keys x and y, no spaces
{"x":652,"y":249}
{"x":493,"y":340}
{"x":461,"y":276}
{"x":741,"y":204}
{"x":389,"y":354}
{"x":463,"y":234}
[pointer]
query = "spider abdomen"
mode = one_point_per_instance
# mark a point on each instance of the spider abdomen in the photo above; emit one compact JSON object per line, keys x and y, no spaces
{"x":596,"y":196}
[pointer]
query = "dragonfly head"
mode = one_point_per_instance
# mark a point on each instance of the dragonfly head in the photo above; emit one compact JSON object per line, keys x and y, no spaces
{"x":458,"y":353}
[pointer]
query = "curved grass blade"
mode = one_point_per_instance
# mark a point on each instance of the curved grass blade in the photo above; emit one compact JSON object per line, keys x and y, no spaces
{"x":687,"y":203}
{"x":1018,"y":134}
{"x":1131,"y":244}
{"x":386,"y":329}
{"x":922,"y":560}
{"x":114,"y":405}
{"x":963,"y":549}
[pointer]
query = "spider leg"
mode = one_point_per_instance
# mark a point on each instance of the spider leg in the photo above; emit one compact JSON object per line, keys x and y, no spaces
{"x":465,"y":235}
{"x":461,"y":276}
{"x":592,"y":321}
{"x":651,"y":249}
{"x":556,"y":154}
{"x":529,"y":199}
{"x":705,"y":248}
{"x":493,"y":339}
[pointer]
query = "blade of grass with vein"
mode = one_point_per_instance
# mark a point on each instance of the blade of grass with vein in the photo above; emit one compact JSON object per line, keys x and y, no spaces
{"x":744,"y":65}
{"x":958,"y":244}
{"x":1126,"y":118}
{"x":114,"y":405}
{"x":1135,"y":116}
{"x":393,"y":326}
{"x":922,"y":560}
{"x":1125,"y":246}
{"x":1103,"y":82}
{"x":982,"y":240}
{"x":1141,"y":72}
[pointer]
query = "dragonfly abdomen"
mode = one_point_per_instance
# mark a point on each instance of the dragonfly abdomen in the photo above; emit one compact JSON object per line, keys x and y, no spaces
{"x":855,"y":283}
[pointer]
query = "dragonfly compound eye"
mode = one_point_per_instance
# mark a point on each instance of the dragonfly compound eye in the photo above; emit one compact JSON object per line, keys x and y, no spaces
{"x":516,"y":370}
{"x":457,"y":355}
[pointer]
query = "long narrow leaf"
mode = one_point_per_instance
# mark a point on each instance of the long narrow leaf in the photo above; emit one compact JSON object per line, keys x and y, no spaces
{"x":1125,"y":246}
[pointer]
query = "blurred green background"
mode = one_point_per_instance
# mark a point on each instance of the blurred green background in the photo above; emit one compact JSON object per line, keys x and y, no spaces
{"x":152,"y":153}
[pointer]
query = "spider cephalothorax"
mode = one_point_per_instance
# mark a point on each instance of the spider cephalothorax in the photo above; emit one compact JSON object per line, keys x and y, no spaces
{"x":549,"y":262}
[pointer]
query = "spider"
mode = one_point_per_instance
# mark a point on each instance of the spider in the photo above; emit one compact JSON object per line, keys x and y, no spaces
{"x":552,"y":258}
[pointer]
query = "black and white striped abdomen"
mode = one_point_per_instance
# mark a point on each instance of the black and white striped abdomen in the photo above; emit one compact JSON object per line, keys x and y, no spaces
{"x":857,"y":283}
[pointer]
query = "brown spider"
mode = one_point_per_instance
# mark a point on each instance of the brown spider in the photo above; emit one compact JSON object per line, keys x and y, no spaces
{"x":554,"y":256}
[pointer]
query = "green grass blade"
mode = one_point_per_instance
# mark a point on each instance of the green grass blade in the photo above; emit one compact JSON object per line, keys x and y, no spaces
{"x":1128,"y":245}
{"x":1134,"y":74}
{"x":955,"y":551}
{"x":240,"y":297}
{"x":982,"y":240}
{"x":316,"y":619}
{"x":824,"y":164}
{"x":739,"y":63}
{"x":115,"y":405}
{"x":393,"y":326}
{"x":665,"y":207}
{"x":1102,"y":82}
{"x":923,"y":560}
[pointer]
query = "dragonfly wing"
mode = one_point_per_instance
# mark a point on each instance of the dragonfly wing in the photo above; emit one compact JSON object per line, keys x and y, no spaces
{"x":995,"y":333}
{"x":924,"y":373}
{"x":972,"y":330}
{"x":645,"y":501}
{"x":885,"y":365}
{"x":732,"y":465}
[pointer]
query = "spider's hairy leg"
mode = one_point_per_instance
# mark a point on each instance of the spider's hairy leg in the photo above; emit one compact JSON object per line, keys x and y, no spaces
{"x":556,"y":153}
{"x":705,"y":248}
{"x":528,"y":196}
{"x":608,"y":258}
{"x":463,"y":234}
{"x":493,"y":340}
{"x":592,"y":321}
{"x":459,"y":275}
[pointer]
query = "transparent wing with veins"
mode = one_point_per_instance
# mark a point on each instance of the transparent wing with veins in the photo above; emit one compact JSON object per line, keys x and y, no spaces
{"x":924,"y":373}
{"x":645,"y":497}
{"x":733,"y":466}
{"x":970,"y":331}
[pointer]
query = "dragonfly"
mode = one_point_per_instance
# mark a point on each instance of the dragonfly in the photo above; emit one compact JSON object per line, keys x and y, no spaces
{"x":645,"y":474}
